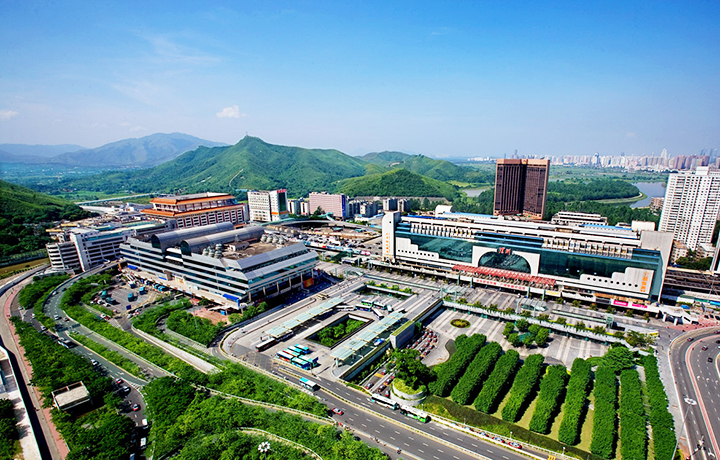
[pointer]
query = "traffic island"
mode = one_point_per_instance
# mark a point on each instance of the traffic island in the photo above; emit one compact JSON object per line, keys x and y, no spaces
{"x":404,"y":394}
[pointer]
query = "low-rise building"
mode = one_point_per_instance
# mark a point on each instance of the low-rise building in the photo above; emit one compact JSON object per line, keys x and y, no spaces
{"x":575,"y":219}
{"x":198,"y":209}
{"x":80,"y":248}
{"x":236,"y":264}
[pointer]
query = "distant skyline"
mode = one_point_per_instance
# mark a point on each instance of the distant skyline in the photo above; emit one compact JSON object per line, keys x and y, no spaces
{"x":440,"y":79}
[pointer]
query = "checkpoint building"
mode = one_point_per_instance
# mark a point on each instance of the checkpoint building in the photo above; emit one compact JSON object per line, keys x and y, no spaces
{"x":240,"y":265}
{"x":595,"y":263}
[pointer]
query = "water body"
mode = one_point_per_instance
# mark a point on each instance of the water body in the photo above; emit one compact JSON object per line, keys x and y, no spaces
{"x":651,"y":189}
{"x":473,"y":192}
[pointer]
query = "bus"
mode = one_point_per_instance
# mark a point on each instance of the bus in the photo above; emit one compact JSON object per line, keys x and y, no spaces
{"x":347,"y":308}
{"x":284,"y":356}
{"x":378,"y":313}
{"x":309,"y":384}
{"x":301,"y":363}
{"x":294,"y":353}
{"x":383,"y":401}
{"x":304,"y":349}
{"x":415,"y":413}
{"x":297,"y":349}
{"x":265,"y":344}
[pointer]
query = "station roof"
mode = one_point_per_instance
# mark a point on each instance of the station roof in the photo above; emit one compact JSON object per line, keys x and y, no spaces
{"x":352,"y":346}
{"x":289,"y":325}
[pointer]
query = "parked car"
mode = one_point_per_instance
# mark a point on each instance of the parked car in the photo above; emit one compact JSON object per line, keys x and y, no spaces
{"x":118,"y":381}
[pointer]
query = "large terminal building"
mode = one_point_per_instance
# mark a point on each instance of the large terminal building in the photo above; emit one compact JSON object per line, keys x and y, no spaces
{"x":239,"y":265}
{"x":596,"y":263}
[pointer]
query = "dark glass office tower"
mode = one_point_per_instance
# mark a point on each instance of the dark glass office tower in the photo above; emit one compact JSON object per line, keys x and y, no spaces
{"x":521,"y":187}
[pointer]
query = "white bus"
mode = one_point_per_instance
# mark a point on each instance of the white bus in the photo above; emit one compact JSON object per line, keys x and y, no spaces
{"x":383,"y":401}
{"x":309,"y":384}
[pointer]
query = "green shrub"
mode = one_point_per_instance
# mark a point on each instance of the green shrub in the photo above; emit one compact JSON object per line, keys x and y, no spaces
{"x":201,"y":330}
{"x":467,"y":348}
{"x":550,"y":398}
{"x":604,"y":434}
{"x":633,"y":435}
{"x":476,"y":373}
{"x":500,"y":379}
{"x":575,"y":402}
{"x":525,"y":382}
{"x":541,"y":338}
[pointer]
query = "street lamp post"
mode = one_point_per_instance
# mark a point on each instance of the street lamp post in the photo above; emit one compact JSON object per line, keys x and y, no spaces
{"x":690,"y":403}
{"x":263,"y":448}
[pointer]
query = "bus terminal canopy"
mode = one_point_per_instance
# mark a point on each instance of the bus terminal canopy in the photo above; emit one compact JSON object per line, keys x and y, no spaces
{"x":349,"y":348}
{"x":290,"y":325}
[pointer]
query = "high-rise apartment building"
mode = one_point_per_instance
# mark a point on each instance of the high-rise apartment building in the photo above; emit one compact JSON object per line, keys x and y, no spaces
{"x":267,"y":206}
{"x":335,"y":204}
{"x":198,"y":209}
{"x":521,"y":187}
{"x":691,"y":206}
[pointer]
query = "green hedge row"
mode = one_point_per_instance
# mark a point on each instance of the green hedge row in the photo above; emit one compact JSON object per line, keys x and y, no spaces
{"x":480,"y":367}
{"x":450,"y":371}
{"x":525,"y":382}
{"x":495,"y":386}
{"x":552,"y":389}
{"x":660,"y":419}
{"x":576,"y":402}
{"x":604,"y":435}
{"x":633,"y":434}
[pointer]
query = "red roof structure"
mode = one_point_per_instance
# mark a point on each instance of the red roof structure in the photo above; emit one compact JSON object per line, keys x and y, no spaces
{"x":506,"y":274}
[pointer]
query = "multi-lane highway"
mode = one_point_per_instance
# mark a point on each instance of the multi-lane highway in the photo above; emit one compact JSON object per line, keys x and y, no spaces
{"x":694,"y":365}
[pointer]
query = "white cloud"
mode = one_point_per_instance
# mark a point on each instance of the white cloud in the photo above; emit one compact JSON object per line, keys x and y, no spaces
{"x":231,"y":112}
{"x":8,"y":114}
{"x":135,"y":129}
{"x":629,"y":134}
{"x":98,"y":125}
{"x":125,"y":123}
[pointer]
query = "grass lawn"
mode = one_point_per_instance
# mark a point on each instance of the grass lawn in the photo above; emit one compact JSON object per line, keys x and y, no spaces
{"x":22,"y":265}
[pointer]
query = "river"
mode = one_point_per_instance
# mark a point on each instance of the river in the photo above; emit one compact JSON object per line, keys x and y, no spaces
{"x":651,"y":189}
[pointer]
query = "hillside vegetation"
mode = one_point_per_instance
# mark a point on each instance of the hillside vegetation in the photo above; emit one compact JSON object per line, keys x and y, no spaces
{"x":249,"y":164}
{"x":22,"y":207}
{"x":435,"y":169}
{"x":398,"y":182}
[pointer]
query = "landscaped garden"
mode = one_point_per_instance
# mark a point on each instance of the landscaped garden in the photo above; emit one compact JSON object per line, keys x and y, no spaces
{"x":461,"y":323}
{"x":334,"y":333}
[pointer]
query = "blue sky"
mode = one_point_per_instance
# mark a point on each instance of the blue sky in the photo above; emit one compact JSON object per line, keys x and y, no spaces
{"x":445,"y":79}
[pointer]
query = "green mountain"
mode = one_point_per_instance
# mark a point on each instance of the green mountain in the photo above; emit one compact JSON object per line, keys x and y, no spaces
{"x":249,"y":164}
{"x":397,"y":182}
{"x":435,"y":169}
{"x":22,"y":207}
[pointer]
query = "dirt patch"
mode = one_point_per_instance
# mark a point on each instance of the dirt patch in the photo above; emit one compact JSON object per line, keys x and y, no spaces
{"x":214,"y":316}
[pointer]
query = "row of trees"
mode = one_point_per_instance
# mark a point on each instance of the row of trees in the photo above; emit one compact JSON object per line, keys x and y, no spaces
{"x":34,"y":294}
{"x":633,"y":434}
{"x":660,"y":419}
{"x":576,"y":402}
{"x":499,"y":381}
{"x":200,"y":427}
{"x":450,"y":372}
{"x":472,"y":380}
{"x":604,"y":434}
{"x":525,"y":382}
{"x":550,"y":398}
{"x":103,"y":433}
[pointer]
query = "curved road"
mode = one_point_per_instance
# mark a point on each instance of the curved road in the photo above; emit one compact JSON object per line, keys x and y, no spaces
{"x":698,"y":380}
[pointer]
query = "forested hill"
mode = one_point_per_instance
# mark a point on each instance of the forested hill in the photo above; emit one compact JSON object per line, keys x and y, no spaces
{"x":249,"y":164}
{"x":435,"y":169}
{"x":19,"y":207}
{"x":397,"y":182}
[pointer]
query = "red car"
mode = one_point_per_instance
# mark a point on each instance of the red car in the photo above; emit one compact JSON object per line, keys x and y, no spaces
{"x":704,"y":348}
{"x":338,"y":411}
{"x":690,"y":339}
{"x":135,"y":407}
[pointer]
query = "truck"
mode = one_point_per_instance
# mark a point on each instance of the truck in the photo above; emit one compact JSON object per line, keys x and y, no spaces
{"x":143,"y":290}
{"x":132,"y":296}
